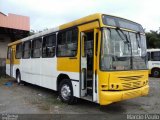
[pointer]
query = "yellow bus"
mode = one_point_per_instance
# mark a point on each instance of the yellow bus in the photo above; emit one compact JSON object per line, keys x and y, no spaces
{"x":100,"y":58}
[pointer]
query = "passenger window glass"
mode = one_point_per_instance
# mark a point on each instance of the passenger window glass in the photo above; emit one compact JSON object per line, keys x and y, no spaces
{"x":36,"y":48}
{"x":27,"y":49}
{"x":49,"y":43}
{"x":18,"y":51}
{"x":67,"y":43}
{"x":155,"y":56}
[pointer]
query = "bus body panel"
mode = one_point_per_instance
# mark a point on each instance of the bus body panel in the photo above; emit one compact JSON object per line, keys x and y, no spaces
{"x":108,"y":97}
{"x":42,"y":72}
{"x":11,"y":61}
{"x":122,"y":85}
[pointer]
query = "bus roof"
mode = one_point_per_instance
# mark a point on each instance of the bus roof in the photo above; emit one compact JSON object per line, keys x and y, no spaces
{"x":77,"y":22}
{"x":61,"y":27}
{"x":152,"y":50}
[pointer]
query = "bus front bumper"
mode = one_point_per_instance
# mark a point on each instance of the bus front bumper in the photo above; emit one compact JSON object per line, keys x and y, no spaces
{"x":108,"y":97}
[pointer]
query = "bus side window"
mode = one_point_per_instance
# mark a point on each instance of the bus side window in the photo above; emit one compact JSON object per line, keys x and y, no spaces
{"x":26,"y":49}
{"x":155,"y":56}
{"x":49,"y":44}
{"x":36,"y":48}
{"x":67,"y":43}
{"x":19,"y":51}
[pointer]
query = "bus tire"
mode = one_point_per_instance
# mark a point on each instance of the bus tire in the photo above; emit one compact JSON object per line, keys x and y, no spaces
{"x":65,"y":91}
{"x":18,"y":78}
{"x":155,"y":73}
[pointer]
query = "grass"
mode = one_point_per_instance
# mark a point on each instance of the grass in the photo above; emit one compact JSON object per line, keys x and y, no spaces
{"x":49,"y":101}
{"x":44,"y":103}
{"x":54,"y":101}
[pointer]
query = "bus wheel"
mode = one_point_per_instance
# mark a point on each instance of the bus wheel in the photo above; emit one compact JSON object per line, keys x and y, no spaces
{"x":18,"y":78}
{"x":156,"y":73}
{"x":66,"y":92}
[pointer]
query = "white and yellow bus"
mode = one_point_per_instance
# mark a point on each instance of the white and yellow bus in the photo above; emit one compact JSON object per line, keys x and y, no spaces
{"x":154,"y":62}
{"x":100,"y":58}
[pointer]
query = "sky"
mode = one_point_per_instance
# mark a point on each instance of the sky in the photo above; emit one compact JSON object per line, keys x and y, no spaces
{"x":51,"y":13}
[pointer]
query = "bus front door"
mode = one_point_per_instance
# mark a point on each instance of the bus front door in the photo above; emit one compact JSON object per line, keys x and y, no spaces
{"x":88,"y":65}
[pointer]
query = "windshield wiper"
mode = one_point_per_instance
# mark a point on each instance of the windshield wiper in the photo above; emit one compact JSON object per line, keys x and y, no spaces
{"x":126,"y":38}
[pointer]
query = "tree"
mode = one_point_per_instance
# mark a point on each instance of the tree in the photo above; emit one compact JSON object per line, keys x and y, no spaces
{"x":153,"y":39}
{"x":32,"y":32}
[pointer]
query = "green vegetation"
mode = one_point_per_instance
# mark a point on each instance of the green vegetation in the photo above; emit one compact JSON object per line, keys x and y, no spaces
{"x":153,"y":39}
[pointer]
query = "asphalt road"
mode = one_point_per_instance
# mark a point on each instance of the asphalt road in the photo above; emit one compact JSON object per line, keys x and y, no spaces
{"x":31,"y":99}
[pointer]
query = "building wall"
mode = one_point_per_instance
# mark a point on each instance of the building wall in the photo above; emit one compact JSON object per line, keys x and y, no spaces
{"x":11,"y":26}
{"x":14,"y":21}
{"x":4,"y":40}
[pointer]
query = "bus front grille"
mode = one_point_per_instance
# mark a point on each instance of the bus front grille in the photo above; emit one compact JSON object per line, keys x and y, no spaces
{"x":131,"y":78}
{"x":131,"y":85}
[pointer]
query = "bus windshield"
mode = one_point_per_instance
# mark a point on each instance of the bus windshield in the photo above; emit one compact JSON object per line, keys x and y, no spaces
{"x":122,"y":50}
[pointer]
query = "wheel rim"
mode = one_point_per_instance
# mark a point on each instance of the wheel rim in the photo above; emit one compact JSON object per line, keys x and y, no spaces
{"x":156,"y":73}
{"x":65,"y":92}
